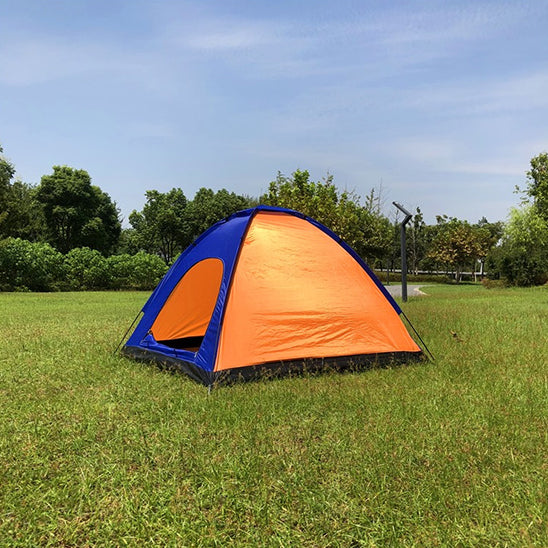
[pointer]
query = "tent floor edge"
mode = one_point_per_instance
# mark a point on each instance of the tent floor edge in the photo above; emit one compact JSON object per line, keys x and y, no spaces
{"x":274,"y":370}
{"x":171,"y":364}
{"x":315,"y":366}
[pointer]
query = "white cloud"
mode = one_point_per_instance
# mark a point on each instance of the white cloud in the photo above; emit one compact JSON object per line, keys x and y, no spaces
{"x":254,"y":49}
{"x":228,"y":37}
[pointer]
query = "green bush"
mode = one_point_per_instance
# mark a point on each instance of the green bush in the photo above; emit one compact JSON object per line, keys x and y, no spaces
{"x":141,"y":271}
{"x":524,"y":268}
{"x":395,"y":278}
{"x":488,"y":283}
{"x":86,"y":269}
{"x":31,"y":266}
{"x":120,"y":268}
{"x":147,"y":271}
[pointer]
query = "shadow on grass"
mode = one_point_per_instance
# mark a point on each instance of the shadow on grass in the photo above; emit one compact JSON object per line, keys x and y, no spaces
{"x":309,"y":367}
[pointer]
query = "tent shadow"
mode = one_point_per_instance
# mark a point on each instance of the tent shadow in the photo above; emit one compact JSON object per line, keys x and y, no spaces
{"x":316,"y":367}
{"x":311,"y":367}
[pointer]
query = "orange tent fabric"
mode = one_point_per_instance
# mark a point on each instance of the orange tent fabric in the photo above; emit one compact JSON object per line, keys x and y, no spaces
{"x":296,"y":293}
{"x":188,"y":309}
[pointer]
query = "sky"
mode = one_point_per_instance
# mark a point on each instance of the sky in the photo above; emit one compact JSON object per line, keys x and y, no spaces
{"x":438,"y":104}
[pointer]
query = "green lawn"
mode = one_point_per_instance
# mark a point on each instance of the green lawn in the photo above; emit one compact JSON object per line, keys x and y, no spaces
{"x":97,"y":450}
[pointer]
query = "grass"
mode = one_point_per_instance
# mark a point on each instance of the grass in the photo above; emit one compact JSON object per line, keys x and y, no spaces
{"x":97,"y":450}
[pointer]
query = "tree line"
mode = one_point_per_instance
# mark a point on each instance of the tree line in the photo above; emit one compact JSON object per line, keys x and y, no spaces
{"x":66,"y":233}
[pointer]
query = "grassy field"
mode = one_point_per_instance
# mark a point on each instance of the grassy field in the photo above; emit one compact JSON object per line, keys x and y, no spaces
{"x":96,"y":450}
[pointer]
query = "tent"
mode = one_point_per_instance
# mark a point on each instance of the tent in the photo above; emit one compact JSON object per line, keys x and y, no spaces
{"x":268,"y":289}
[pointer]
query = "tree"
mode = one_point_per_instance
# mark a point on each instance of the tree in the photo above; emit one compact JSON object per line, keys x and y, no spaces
{"x":523,"y":255}
{"x":457,"y":244}
{"x":363,"y":228}
{"x":7,"y":171}
{"x":160,"y":227}
{"x":208,"y":207}
{"x":489,"y":235}
{"x":77,"y":213}
{"x":417,"y":241}
{"x":537,"y":184}
{"x":168,"y":222}
{"x":21,"y":215}
{"x":129,"y":243}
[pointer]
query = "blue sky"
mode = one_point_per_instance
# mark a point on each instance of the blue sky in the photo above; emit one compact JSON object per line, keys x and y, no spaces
{"x":441,"y":103}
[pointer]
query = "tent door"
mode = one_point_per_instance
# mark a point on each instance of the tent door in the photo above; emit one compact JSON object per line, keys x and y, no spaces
{"x":183,"y":320}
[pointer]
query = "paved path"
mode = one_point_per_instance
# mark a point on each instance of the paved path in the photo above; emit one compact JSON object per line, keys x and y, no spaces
{"x":412,"y":290}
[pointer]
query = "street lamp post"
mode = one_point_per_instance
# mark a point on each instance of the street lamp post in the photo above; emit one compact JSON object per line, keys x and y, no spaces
{"x":406,"y":219}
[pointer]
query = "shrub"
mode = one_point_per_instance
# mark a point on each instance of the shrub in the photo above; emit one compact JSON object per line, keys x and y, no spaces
{"x":488,"y":283}
{"x":141,"y":271}
{"x":120,"y":268}
{"x":86,"y":269}
{"x":524,"y":268}
{"x":32,"y":266}
{"x":395,"y":277}
{"x":147,"y":271}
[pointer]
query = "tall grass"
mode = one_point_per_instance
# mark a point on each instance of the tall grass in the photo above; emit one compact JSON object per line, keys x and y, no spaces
{"x":99,"y":450}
